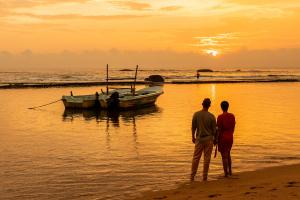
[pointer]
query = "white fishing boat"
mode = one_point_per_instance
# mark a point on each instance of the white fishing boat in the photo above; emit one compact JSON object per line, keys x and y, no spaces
{"x":88,"y":101}
{"x":141,"y":98}
{"x":122,"y":98}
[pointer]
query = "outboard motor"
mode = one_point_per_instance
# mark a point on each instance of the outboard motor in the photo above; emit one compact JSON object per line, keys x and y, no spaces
{"x":113,"y":101}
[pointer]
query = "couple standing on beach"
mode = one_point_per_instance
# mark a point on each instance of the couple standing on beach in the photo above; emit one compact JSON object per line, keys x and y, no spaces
{"x":207,"y":132}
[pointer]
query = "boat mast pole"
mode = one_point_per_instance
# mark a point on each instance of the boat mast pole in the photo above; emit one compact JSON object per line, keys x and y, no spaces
{"x":136,"y":69}
{"x":107,"y":79}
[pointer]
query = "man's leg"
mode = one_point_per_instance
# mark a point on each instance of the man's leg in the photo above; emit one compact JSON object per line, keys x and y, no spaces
{"x":196,"y":158}
{"x":208,"y":148}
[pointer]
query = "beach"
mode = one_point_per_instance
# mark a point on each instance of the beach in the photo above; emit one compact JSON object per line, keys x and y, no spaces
{"x":270,"y":183}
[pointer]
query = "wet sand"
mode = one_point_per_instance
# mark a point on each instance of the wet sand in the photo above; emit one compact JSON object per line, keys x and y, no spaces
{"x":270,"y":183}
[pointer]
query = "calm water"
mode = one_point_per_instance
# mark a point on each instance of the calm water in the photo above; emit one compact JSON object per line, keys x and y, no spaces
{"x":50,"y":153}
{"x":169,"y":75}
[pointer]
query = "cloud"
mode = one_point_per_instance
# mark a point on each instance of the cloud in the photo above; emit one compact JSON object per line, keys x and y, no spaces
{"x":12,"y":4}
{"x":171,"y":8}
{"x":283,"y":58}
{"x":9,"y":7}
{"x":221,"y":42}
{"x":31,"y":18}
{"x":253,"y":9}
{"x":260,"y":2}
{"x":27,"y":60}
{"x":132,"y":5}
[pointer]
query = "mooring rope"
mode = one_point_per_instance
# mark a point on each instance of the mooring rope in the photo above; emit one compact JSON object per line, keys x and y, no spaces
{"x":45,"y":104}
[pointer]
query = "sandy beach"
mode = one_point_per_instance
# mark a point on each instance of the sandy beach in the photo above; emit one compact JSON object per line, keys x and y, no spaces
{"x":270,"y":183}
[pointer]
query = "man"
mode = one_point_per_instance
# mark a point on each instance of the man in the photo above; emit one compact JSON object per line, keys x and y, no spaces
{"x":203,"y":136}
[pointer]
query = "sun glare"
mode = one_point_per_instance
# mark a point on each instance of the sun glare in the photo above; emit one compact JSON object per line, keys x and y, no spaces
{"x":212,"y":52}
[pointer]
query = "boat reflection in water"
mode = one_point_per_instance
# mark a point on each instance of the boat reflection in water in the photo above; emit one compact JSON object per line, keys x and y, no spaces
{"x":112,"y":116}
{"x":111,"y":120}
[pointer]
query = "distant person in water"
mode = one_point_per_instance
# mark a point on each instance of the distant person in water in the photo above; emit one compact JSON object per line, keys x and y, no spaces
{"x":226,"y":125}
{"x":198,"y":75}
{"x":203,"y":134}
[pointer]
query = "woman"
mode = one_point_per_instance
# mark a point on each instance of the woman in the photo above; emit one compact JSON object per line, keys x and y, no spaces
{"x":226,"y":124}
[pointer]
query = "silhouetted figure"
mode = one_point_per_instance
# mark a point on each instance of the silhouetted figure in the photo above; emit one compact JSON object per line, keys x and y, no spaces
{"x":113,"y":101}
{"x":97,"y":104}
{"x":226,"y":125}
{"x":198,"y":75}
{"x":203,"y":134}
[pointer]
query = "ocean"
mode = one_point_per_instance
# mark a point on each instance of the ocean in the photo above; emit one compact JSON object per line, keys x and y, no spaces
{"x":53,"y":153}
{"x":170,"y":75}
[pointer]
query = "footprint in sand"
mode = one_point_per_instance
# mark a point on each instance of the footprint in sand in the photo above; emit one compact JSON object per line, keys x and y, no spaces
{"x":292,"y":184}
{"x":273,"y":189}
{"x":163,"y":197}
{"x":214,"y":195}
{"x":255,"y":187}
{"x":246,"y":193}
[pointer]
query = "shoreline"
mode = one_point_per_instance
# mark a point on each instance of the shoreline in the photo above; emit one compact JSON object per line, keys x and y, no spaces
{"x":101,"y":83}
{"x":280,"y":182}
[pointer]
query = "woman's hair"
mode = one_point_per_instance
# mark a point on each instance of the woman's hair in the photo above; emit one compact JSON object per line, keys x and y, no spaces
{"x":224,"y":105}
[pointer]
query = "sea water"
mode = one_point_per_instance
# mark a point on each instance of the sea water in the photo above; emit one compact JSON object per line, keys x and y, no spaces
{"x":53,"y":153}
{"x":170,"y":75}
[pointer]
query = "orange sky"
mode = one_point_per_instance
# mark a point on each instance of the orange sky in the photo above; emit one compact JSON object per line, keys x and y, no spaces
{"x":214,"y":27}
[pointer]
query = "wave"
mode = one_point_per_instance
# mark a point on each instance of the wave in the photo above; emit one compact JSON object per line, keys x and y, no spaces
{"x":48,"y":79}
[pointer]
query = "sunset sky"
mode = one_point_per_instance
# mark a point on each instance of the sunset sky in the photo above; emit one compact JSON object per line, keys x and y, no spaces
{"x":149,"y":32}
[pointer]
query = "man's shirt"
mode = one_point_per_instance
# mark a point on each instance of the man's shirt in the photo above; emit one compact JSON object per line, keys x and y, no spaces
{"x":205,"y":124}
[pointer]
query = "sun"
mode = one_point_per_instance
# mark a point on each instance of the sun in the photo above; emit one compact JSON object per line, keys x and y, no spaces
{"x":212,"y":52}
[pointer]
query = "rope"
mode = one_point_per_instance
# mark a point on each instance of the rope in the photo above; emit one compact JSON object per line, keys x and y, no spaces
{"x":45,"y":104}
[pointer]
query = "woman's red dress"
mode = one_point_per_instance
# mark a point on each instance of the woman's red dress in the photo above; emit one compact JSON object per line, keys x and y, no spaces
{"x":226,"y":124}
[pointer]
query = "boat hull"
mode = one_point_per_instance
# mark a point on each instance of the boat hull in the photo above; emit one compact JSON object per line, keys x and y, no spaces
{"x":139,"y":102}
{"x":143,"y":98}
{"x":127,"y":100}
{"x":88,"y":101}
{"x":133,"y":103}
